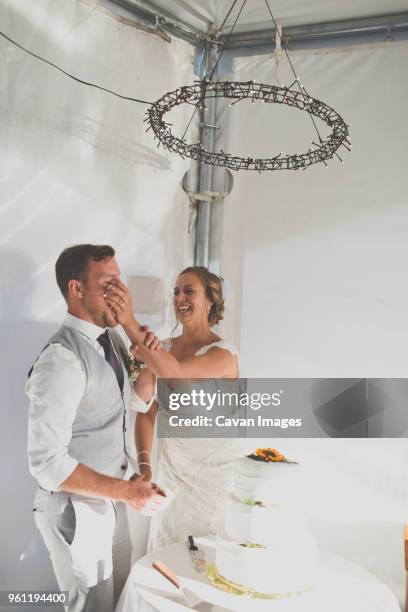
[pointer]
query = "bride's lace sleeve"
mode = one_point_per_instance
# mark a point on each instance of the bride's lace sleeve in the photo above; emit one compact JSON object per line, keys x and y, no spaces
{"x":166,"y":344}
{"x":223,"y":344}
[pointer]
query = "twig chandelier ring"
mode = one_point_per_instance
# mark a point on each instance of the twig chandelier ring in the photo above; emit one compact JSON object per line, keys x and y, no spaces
{"x":197,"y":93}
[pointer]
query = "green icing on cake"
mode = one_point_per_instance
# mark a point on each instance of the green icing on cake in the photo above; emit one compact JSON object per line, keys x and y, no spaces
{"x":253,"y":502}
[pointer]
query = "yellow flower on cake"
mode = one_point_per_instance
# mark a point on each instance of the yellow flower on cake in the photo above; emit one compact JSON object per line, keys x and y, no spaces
{"x":269,"y":454}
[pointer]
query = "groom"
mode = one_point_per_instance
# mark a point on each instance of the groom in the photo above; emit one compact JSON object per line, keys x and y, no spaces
{"x":79,"y":394}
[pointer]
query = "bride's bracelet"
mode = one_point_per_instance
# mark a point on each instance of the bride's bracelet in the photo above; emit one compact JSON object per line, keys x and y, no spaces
{"x":145,"y":463}
{"x":143,"y":452}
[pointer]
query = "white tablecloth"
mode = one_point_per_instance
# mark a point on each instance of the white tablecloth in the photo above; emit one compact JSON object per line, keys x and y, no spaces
{"x":340,"y":586}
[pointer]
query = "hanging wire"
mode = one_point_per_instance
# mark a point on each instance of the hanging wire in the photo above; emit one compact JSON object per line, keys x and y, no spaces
{"x":227,"y":15}
{"x":238,"y":91}
{"x":200,"y":102}
{"x":78,"y":80}
{"x":301,"y":88}
{"x":325,"y":149}
{"x":227,"y":39}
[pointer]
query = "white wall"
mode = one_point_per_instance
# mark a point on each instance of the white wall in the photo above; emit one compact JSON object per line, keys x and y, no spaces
{"x":320,"y":255}
{"x":318,"y":264}
{"x":317,"y":257}
{"x":76,"y":166}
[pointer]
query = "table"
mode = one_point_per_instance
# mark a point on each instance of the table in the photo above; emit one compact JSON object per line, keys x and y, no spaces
{"x":340,"y":586}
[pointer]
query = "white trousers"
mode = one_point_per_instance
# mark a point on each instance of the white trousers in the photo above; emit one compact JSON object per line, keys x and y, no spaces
{"x":90,"y":548}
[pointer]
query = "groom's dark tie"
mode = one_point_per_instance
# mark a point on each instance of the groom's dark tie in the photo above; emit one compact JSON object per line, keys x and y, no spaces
{"x":111,"y":358}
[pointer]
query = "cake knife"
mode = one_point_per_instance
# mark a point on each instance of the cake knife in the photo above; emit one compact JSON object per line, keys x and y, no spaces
{"x":197,"y":555}
{"x":190,"y":598}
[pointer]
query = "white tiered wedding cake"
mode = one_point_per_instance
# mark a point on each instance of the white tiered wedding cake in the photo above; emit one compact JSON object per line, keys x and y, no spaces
{"x":264,"y":544}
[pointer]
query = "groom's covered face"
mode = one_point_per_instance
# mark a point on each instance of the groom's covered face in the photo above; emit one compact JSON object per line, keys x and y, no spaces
{"x":100,"y":275}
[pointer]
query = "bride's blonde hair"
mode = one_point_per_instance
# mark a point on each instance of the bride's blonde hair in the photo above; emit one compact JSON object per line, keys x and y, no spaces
{"x":213,"y":290}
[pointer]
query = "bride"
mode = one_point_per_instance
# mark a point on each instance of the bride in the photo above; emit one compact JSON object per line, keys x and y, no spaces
{"x":194,"y":470}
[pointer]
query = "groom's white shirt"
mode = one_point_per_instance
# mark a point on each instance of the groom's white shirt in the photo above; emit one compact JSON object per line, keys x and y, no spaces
{"x":55,"y":389}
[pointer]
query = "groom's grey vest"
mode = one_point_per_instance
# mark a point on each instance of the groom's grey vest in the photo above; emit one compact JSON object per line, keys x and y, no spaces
{"x":99,"y":428}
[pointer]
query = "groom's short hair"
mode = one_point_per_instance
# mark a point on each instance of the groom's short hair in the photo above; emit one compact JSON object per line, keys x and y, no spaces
{"x":74,"y":261}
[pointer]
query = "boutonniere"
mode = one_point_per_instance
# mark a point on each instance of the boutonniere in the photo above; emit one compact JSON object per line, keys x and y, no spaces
{"x":133,"y":367}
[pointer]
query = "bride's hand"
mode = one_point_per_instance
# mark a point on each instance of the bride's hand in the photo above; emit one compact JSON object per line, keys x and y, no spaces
{"x":146,"y":471}
{"x":144,"y":497}
{"x":117,"y":297}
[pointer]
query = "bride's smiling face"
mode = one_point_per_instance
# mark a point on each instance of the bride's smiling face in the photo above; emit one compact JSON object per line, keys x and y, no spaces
{"x":190,"y":301}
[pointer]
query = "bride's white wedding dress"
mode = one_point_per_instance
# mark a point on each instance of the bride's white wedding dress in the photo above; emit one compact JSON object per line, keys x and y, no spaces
{"x":197,"y":471}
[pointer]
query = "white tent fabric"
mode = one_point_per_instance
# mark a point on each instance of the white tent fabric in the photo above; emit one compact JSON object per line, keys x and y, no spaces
{"x":76,"y":166}
{"x":319,"y":256}
{"x":314,"y":261}
{"x":201,"y":14}
{"x":316,"y":264}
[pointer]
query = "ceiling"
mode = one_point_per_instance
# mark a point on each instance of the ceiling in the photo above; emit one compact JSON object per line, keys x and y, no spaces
{"x":301,"y":19}
{"x":200,"y":14}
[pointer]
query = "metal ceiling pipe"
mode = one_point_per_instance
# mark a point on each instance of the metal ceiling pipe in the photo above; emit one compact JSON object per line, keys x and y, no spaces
{"x":207,"y":140}
{"x":329,"y":34}
{"x":151,"y":16}
{"x":349,"y":31}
